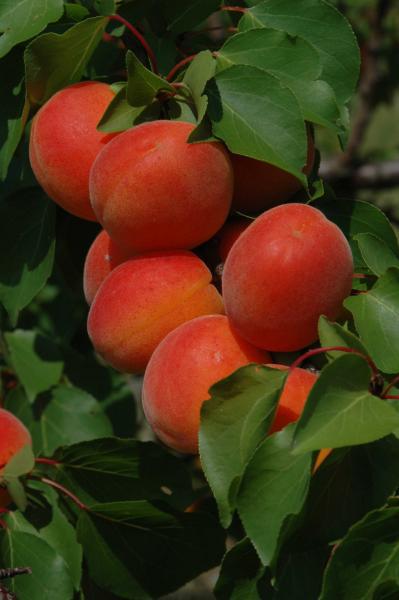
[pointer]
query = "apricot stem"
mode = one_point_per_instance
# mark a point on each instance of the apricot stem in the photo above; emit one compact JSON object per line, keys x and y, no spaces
{"x":140,"y":38}
{"x":47,"y":461}
{"x":179,"y":66}
{"x":316,"y":351}
{"x":239,"y":9}
{"x":63,"y":490}
{"x":392,"y":384}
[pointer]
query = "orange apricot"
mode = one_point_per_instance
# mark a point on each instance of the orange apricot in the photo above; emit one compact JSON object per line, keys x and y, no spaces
{"x":290,"y":266}
{"x":13,"y":437}
{"x":259,"y":185}
{"x":182,"y":369}
{"x":64,"y":142}
{"x":102,"y":258}
{"x":229,"y":233}
{"x":152,"y":190}
{"x":143,"y":299}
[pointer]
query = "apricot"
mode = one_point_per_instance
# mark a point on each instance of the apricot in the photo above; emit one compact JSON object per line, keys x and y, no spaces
{"x":289,"y":267}
{"x":182,"y":369}
{"x":143,"y":299}
{"x":152,"y":190}
{"x":64,"y":142}
{"x":13,"y":437}
{"x":259,"y":185}
{"x":229,"y":233}
{"x":102,"y":258}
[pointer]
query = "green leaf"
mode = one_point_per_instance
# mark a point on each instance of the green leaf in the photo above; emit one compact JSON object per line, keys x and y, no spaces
{"x":237,"y":98}
{"x":53,"y":61}
{"x":324,"y":28}
{"x":199,"y":72}
{"x":36,"y":360}
{"x":333,"y":334}
{"x":110,"y":470}
{"x":105,"y":7}
{"x":366,"y":559}
{"x":291,"y":59}
{"x":233,"y":422}
{"x":119,"y":115}
{"x":275,"y":486}
{"x":376,"y":253}
{"x":136,"y":540}
{"x":340,"y":411}
{"x":21,"y":20}
{"x":27,"y":244}
{"x":354,"y":217}
{"x":20,"y":464}
{"x":142,"y":84}
{"x":50,"y":577}
{"x":182,"y":15}
{"x":376,"y":315}
{"x":70,"y":416}
{"x":239,"y":573}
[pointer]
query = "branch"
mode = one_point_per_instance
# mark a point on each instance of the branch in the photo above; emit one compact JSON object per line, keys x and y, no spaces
{"x":372,"y":175}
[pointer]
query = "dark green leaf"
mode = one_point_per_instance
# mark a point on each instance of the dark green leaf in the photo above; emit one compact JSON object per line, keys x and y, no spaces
{"x":300,"y":574}
{"x":376,"y":253}
{"x":365,"y":559}
{"x":340,"y":410}
{"x":233,"y":422}
{"x":323,"y":27}
{"x":376,"y":315}
{"x":136,"y":540}
{"x":53,"y":61}
{"x":36,"y":360}
{"x":110,"y":470}
{"x":50,"y":578}
{"x":239,"y":574}
{"x":182,"y":15}
{"x":199,"y":72}
{"x":21,"y":20}
{"x":333,"y":334}
{"x":26,"y":248}
{"x":354,"y":217}
{"x":142,"y":84}
{"x":119,"y":115}
{"x":273,"y":489}
{"x":105,"y":7}
{"x":70,"y":416}
{"x":237,"y":98}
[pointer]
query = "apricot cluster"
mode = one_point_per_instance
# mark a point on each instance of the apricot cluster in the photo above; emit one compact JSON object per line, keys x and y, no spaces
{"x":153,"y":305}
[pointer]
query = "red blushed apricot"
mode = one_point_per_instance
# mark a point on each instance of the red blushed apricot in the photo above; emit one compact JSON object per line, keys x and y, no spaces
{"x":102,"y":258}
{"x":288,"y":268}
{"x":293,"y":397}
{"x":64,"y":142}
{"x":229,"y":233}
{"x":259,"y":185}
{"x":13,"y":437}
{"x":152,"y":190}
{"x":182,"y":369}
{"x":144,"y":299}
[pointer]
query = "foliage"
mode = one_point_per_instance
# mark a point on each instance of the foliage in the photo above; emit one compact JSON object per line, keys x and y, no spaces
{"x":107,"y":514}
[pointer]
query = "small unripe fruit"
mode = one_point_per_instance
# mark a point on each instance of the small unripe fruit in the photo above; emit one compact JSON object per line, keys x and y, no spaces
{"x":144,"y":299}
{"x":182,"y":369}
{"x":102,"y":258}
{"x":152,"y":190}
{"x":64,"y":142}
{"x":288,"y":268}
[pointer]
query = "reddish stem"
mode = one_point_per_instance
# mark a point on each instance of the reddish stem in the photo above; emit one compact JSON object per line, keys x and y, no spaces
{"x":392,"y":384}
{"x":4,"y":511}
{"x":47,"y":461}
{"x":61,"y":488}
{"x":140,"y":38}
{"x":179,"y":66}
{"x":239,"y":9}
{"x":390,"y":397}
{"x":316,"y":351}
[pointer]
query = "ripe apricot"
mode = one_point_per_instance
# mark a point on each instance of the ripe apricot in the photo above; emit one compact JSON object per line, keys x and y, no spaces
{"x":229,"y":233}
{"x":13,"y":437}
{"x":143,"y":299}
{"x":152,"y":190}
{"x":289,"y":267}
{"x":182,"y":369}
{"x":259,"y":185}
{"x":102,"y":258}
{"x":64,"y":142}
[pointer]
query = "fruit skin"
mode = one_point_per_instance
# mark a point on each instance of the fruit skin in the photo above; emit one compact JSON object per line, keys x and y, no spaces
{"x":259,"y":185}
{"x":229,"y":233}
{"x":288,"y":268}
{"x":13,"y":437}
{"x":293,"y":397}
{"x":102,"y":258}
{"x":151,"y":190}
{"x":64,"y":142}
{"x":182,"y":369}
{"x":143,"y":299}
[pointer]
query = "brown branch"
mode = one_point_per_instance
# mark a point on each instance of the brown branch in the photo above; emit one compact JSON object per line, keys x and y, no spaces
{"x":379,"y":175}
